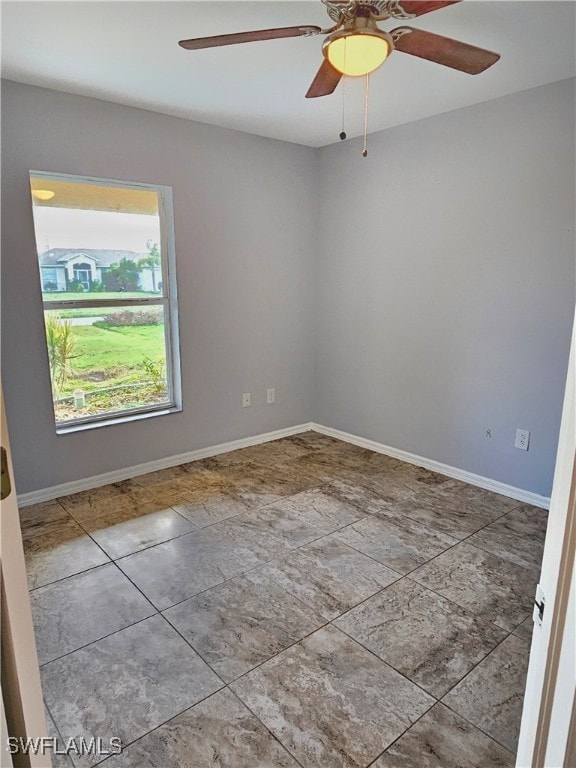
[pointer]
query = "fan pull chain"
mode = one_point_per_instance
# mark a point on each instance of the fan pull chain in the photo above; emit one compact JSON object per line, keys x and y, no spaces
{"x":343,"y":132}
{"x":365,"y":148}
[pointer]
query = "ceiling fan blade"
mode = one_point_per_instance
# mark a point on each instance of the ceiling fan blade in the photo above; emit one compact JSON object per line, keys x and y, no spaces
{"x":325,"y":82}
{"x":420,"y":7}
{"x":248,"y":37}
{"x":443,"y":50}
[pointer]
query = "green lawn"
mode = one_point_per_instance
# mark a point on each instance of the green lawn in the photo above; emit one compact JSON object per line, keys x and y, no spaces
{"x":107,"y":357}
{"x":66,"y":314}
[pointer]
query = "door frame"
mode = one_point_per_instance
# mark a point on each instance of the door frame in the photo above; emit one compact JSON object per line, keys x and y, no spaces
{"x":21,"y":688}
{"x":550,"y":696}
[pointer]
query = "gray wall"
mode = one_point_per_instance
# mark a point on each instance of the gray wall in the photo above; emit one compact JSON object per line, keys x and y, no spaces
{"x":245,"y":222}
{"x":445,"y":303}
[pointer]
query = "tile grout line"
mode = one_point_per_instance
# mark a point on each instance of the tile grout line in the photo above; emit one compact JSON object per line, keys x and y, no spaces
{"x":253,"y":568}
{"x":453,"y":546}
{"x":498,"y":644}
{"x":465,"y":676}
{"x":437,"y":700}
{"x":113,"y":559}
{"x":452,"y":711}
{"x":58,"y":732}
{"x":465,"y":539}
{"x":201,"y":701}
{"x":309,"y":634}
{"x":383,"y":661}
{"x":98,"y":639}
{"x":286,"y":749}
{"x":404,"y":732}
{"x":283,"y":650}
{"x":69,"y":576}
{"x":225,"y":685}
{"x":479,"y":729}
{"x":407,"y":577}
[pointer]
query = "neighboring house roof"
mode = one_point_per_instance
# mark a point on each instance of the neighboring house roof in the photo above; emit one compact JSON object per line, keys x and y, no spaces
{"x":103,"y":258}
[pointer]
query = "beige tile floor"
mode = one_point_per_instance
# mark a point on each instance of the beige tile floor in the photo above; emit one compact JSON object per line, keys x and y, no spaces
{"x":300,"y":603}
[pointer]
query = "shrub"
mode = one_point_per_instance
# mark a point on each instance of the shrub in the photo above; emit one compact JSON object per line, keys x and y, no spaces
{"x":127,"y":317}
{"x":123,"y":276}
{"x":157,"y":372}
{"x":75,"y":286}
{"x":61,"y":342}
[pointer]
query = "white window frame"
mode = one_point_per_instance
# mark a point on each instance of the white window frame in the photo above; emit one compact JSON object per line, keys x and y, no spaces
{"x":167,"y":299}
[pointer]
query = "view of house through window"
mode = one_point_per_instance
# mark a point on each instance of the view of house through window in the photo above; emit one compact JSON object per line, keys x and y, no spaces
{"x":103,"y":260}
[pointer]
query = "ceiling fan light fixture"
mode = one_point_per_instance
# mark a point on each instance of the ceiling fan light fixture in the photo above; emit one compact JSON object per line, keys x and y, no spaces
{"x":356,"y":52}
{"x":43,"y":194}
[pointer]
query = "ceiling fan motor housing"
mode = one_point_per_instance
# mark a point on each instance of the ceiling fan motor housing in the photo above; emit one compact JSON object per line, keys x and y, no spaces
{"x":379,"y":10}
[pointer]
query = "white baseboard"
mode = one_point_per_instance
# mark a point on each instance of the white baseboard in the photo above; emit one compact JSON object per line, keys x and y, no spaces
{"x":126,"y":473}
{"x":435,"y":466}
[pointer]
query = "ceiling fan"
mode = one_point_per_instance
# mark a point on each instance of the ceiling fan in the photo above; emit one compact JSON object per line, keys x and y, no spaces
{"x":355,"y":45}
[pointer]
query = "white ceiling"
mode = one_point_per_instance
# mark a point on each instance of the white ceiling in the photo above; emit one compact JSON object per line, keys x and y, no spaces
{"x":127,"y":52}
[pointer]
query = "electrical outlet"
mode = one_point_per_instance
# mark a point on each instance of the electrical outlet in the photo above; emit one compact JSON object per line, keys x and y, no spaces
{"x":270,"y":396}
{"x":246,"y":400}
{"x":522,"y":439}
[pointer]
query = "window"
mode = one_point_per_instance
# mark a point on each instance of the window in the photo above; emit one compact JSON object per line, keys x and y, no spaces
{"x":49,"y":279}
{"x":107,"y":274}
{"x":82,"y":275}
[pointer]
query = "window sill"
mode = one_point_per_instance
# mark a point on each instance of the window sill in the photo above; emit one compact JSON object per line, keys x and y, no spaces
{"x":116,"y":419}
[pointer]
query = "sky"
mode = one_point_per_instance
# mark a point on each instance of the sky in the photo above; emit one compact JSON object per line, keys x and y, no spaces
{"x":77,"y":228}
